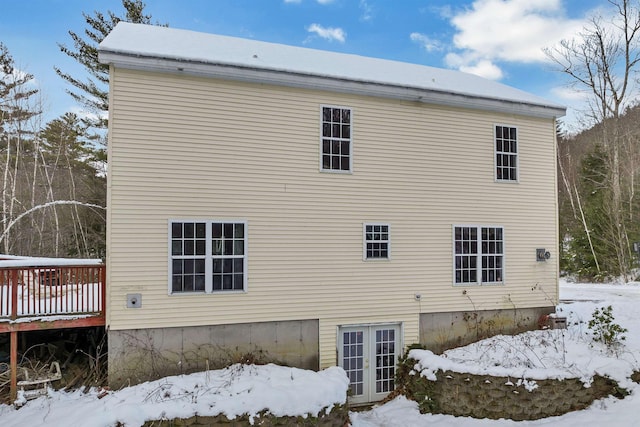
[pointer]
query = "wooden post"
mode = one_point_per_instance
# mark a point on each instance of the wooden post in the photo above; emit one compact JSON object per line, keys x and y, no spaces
{"x":13,"y":352}
{"x":14,"y":366}
{"x":13,"y":285}
{"x":103,"y":290}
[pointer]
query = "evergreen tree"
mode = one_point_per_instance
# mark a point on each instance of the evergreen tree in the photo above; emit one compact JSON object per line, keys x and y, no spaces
{"x":71,"y":175}
{"x":6,"y":61}
{"x":92,"y":92}
{"x":62,"y":138}
{"x":593,"y":191}
{"x":14,"y":95}
{"x":604,"y":60}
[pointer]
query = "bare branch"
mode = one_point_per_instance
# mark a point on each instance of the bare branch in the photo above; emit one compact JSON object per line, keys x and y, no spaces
{"x":44,"y":206}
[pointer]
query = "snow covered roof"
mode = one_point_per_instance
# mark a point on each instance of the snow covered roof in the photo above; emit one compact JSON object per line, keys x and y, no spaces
{"x":151,"y":47}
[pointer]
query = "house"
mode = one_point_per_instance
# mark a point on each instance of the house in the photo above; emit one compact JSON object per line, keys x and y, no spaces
{"x":316,"y":208}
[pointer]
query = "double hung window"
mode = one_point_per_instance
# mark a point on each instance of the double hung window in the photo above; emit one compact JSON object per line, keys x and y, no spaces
{"x":506,"y":153}
{"x":336,"y":139}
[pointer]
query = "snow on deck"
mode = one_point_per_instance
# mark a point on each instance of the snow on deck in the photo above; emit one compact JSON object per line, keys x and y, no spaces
{"x":8,"y":261}
{"x":49,"y":288}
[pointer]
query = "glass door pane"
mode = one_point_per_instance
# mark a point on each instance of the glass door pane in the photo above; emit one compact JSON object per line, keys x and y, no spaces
{"x":353,"y":360}
{"x":385,"y":357}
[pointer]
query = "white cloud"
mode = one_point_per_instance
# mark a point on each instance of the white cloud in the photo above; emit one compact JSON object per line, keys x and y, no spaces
{"x":484,"y":68}
{"x":569,"y":93}
{"x":292,"y":1}
{"x":578,"y":103}
{"x":84,"y":114}
{"x":429,"y":44}
{"x":508,"y":30}
{"x":480,"y":67}
{"x":324,"y":1}
{"x":367,"y":11}
{"x":27,"y":80}
{"x":445,"y":12}
{"x":514,"y":30}
{"x":328,"y":33}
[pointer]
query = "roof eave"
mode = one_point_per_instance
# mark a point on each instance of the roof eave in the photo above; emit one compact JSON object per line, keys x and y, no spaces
{"x":327,"y":83}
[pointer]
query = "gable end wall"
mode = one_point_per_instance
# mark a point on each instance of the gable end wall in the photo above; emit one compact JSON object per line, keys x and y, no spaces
{"x":191,"y":147}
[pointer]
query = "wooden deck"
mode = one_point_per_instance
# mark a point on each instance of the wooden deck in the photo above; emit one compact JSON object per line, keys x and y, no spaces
{"x":51,"y":297}
{"x":46,"y":293}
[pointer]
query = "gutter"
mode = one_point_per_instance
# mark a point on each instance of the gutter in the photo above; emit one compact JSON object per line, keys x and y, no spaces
{"x":326,"y":83}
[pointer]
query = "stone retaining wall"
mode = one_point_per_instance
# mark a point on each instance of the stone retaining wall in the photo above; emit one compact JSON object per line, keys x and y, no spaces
{"x":484,"y":396}
{"x":337,"y":417}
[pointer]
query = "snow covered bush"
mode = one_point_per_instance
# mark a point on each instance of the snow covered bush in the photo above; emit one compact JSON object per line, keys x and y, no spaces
{"x":604,"y":330}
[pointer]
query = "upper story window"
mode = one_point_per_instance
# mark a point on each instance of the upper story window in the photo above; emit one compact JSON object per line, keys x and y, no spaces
{"x":207,"y":256}
{"x":377,"y":242}
{"x":336,"y":139}
{"x":506,"y":153}
{"x":479,"y":254}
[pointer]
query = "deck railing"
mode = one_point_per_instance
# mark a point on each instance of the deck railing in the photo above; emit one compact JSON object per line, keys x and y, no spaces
{"x":49,"y":291}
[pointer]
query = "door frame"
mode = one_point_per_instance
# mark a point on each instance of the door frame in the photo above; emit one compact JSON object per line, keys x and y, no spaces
{"x":369,"y":347}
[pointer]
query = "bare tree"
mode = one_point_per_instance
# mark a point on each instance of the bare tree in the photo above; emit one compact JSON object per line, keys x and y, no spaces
{"x":16,"y":110}
{"x":51,"y":194}
{"x":71,"y":175}
{"x":603,"y":60}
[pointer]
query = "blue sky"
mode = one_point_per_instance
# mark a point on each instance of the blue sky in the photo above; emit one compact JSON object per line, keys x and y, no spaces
{"x":498,"y":39}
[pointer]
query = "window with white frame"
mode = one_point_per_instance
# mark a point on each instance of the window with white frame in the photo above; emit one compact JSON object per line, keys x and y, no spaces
{"x":208,"y":256}
{"x":336,"y":139}
{"x":506,"y":153}
{"x":377,"y":243}
{"x":479,"y":254}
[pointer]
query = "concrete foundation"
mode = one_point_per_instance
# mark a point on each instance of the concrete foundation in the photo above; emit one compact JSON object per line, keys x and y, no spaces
{"x":442,"y":331}
{"x":137,"y":355}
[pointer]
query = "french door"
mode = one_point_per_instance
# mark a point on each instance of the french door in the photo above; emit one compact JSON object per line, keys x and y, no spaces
{"x":369,"y":354}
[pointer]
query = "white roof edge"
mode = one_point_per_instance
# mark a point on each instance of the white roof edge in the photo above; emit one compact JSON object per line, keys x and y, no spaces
{"x":307,"y":81}
{"x":164,"y":49}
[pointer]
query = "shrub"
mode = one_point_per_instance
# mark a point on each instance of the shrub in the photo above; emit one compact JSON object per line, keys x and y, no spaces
{"x":605,"y":330}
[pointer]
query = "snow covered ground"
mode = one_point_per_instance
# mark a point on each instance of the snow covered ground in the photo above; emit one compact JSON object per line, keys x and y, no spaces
{"x":290,"y":391}
{"x":236,"y":390}
{"x":540,"y":355}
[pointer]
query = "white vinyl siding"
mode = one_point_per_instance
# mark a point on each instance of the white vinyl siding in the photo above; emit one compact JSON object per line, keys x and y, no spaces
{"x":192,"y":147}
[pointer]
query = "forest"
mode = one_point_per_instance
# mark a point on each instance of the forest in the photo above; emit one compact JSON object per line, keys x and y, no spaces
{"x":598,"y":168}
{"x":53,"y":175}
